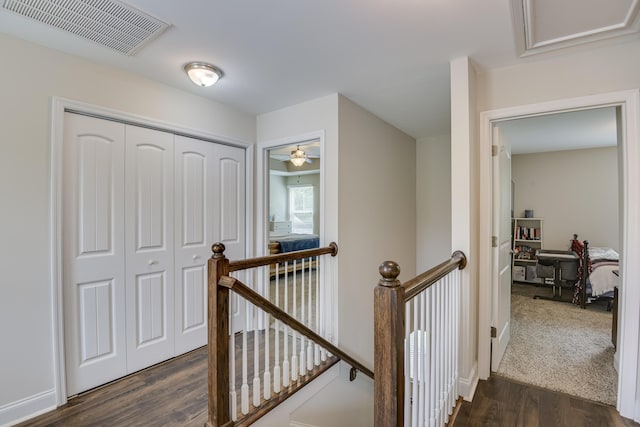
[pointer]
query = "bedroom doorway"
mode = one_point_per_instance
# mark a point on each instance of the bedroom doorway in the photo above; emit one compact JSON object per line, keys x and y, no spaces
{"x":565,"y":174}
{"x":290,"y":217}
{"x":626,"y":104}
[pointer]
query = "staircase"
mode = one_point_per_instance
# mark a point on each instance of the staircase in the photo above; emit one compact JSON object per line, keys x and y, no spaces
{"x":317,"y":384}
{"x":331,"y":400}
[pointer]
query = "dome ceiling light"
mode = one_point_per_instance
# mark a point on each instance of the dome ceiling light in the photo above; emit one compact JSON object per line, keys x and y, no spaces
{"x":202,"y":74}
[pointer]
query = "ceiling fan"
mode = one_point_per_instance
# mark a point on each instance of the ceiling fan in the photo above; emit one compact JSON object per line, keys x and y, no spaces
{"x":297,"y":156}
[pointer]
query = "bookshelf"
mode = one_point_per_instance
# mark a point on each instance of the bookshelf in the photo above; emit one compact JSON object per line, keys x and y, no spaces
{"x":527,"y":241}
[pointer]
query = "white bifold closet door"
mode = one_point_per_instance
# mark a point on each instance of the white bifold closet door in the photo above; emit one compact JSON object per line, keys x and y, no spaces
{"x":196,"y":194}
{"x":209,"y":201}
{"x":149,"y":246}
{"x":141,"y":210}
{"x":93,"y":252}
{"x":231,"y":228}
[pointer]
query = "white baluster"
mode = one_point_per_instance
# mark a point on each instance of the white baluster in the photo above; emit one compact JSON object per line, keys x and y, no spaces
{"x":427,"y":354}
{"x":294,"y":338}
{"x":285,"y":358}
{"x":316,"y":354}
{"x":256,"y":358}
{"x":456,"y":299}
{"x":233,"y":398}
{"x":415,"y":361}
{"x":276,"y":362}
{"x":423,"y":355}
{"x":266,"y":379}
{"x":309,"y":317}
{"x":407,"y":365}
{"x":440,"y":355}
{"x":244,"y":389}
{"x":450,"y":338}
{"x":303,"y":355}
{"x":433,"y":367}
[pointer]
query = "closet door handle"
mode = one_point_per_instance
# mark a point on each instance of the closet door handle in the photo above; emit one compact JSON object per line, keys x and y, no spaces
{"x":152,"y":262}
{"x":196,"y":257}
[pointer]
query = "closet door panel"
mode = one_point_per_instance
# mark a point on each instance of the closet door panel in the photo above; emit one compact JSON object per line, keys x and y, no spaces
{"x":196,"y":220}
{"x":149,"y":247}
{"x":230,"y":207}
{"x":93,"y":251}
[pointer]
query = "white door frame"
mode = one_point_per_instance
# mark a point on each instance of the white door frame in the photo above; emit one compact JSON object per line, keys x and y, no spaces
{"x":629,"y":159}
{"x":262,"y":198}
{"x":58,"y":107}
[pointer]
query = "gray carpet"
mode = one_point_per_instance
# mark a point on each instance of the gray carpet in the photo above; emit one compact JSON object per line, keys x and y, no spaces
{"x":561,"y":347}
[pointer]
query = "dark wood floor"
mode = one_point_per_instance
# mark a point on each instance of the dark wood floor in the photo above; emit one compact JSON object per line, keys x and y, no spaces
{"x":502,"y":402}
{"x":174,"y":393}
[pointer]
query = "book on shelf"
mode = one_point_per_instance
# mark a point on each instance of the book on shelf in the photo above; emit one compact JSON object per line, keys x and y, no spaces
{"x":527,"y":233}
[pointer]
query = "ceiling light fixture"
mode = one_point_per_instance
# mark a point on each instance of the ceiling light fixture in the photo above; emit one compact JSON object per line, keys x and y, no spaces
{"x":202,"y":74}
{"x":298,"y":157}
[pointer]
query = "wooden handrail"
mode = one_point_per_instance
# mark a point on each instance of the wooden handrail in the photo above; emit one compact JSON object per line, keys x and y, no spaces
{"x":244,"y":264}
{"x":423,"y":281}
{"x":259,"y":301}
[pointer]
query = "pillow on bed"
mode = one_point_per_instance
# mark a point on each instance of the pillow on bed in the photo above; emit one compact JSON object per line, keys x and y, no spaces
{"x":602,"y":253}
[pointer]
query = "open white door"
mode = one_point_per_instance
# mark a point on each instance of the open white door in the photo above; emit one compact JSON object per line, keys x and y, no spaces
{"x":501,"y":272}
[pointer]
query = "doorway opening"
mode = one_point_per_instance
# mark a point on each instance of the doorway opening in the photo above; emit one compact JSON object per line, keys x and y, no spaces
{"x":627,"y":105}
{"x":564,"y":175}
{"x":290,"y":216}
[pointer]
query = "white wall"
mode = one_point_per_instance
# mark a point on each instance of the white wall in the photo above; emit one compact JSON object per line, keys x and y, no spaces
{"x":26,"y":359}
{"x":377,"y":217}
{"x":465,"y":211}
{"x":574,"y":191}
{"x":588,"y":72}
{"x":278,"y":198}
{"x":433,"y":201}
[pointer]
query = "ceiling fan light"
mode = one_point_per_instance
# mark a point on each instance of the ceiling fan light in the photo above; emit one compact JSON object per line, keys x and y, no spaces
{"x":202,"y":74}
{"x":298,"y":157}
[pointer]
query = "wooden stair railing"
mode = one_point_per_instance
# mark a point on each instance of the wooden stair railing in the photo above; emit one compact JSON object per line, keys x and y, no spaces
{"x":433,"y":319}
{"x":218,"y":322}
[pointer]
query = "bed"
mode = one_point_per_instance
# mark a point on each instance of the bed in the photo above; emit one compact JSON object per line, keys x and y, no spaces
{"x":597,"y":273}
{"x":282,"y":243}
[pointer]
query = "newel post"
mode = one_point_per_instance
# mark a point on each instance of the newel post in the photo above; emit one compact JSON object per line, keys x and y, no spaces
{"x":389,"y":319}
{"x":218,"y":339}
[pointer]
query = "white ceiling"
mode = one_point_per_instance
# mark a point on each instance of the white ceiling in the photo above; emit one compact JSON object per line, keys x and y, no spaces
{"x":391,"y":57}
{"x":561,"y":131}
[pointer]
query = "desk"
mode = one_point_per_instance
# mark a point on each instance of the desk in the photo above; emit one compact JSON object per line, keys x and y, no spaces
{"x":564,"y":270}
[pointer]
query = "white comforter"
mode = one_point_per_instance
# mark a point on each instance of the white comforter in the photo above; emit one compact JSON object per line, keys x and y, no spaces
{"x":602,"y":278}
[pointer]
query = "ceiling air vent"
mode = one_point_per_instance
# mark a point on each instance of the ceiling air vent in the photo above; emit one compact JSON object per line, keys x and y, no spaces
{"x":110,"y":23}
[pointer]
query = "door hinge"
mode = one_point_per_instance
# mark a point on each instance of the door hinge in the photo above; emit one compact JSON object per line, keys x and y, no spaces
{"x":494,"y":150}
{"x":494,"y":332}
{"x":494,"y":241}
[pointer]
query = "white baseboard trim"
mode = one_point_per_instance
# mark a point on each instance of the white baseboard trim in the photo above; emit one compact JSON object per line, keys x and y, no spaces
{"x":467,"y":385}
{"x":29,"y":407}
